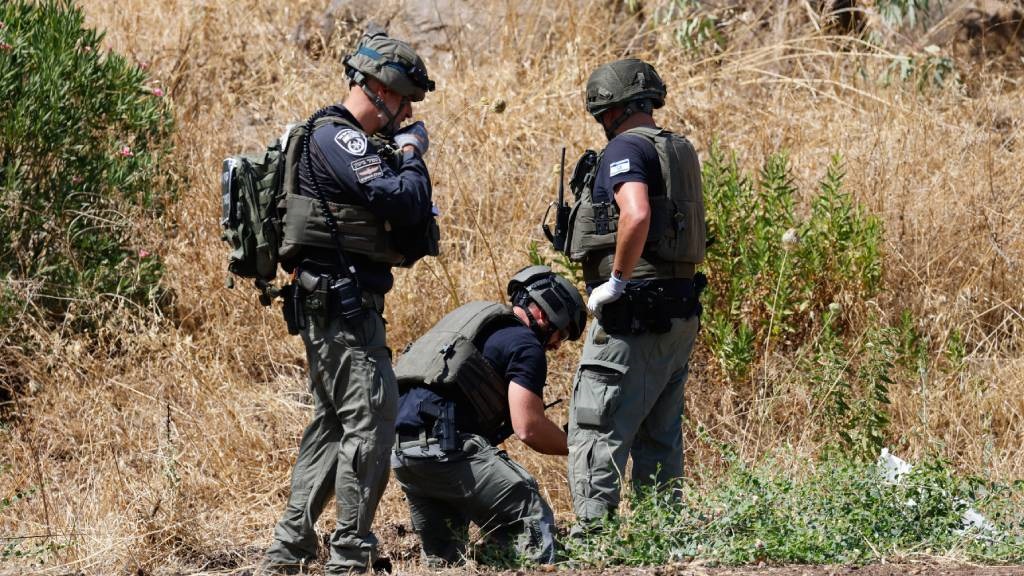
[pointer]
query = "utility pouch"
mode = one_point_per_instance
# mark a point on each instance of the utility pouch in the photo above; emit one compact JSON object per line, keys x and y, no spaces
{"x":617,"y":317}
{"x":660,"y":312}
{"x":346,"y":299}
{"x":292,"y":309}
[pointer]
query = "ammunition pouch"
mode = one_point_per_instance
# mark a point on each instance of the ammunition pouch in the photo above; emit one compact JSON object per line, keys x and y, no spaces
{"x":327,"y":296}
{"x":650,"y":306}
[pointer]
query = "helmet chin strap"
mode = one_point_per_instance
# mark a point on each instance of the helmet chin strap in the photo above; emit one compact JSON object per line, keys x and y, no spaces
{"x":382,"y":108}
{"x":609,"y":131}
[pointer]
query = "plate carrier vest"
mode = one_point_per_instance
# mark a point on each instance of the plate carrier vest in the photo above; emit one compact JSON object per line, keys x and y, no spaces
{"x":359,"y":230}
{"x":447,"y":359}
{"x":677,"y":234}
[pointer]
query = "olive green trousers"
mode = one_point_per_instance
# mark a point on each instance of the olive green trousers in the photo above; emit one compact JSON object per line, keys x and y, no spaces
{"x":345,"y":451}
{"x":627,"y":400}
{"x":481,"y":485}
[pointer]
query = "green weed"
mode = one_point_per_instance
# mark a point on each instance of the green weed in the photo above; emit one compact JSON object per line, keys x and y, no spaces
{"x":560,"y":263}
{"x":835,"y":511}
{"x":777,"y":275}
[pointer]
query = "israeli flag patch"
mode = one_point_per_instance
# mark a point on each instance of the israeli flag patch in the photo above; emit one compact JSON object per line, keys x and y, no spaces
{"x":618,"y":167}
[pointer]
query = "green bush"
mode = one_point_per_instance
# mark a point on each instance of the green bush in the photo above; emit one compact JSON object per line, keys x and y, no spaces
{"x":81,"y":140}
{"x":773,"y":275}
{"x":836,"y":511}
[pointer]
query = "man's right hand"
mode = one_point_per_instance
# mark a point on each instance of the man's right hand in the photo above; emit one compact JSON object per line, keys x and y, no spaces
{"x":414,"y":135}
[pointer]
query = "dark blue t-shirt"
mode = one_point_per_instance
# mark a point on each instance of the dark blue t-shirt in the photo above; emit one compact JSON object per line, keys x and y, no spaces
{"x":515,"y":354}
{"x":627,"y":158}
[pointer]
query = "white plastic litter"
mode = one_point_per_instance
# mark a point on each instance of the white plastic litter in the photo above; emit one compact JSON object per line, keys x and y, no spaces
{"x":893,"y":468}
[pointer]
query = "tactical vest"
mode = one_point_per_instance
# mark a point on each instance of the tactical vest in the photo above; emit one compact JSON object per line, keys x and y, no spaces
{"x":447,"y":359}
{"x":676,"y":236}
{"x":359,"y":230}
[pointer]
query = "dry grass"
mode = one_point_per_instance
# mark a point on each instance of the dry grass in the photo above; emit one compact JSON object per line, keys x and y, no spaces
{"x":174,"y":453}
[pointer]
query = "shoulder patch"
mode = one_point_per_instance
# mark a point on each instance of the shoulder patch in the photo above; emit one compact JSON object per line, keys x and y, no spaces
{"x":368,"y":168}
{"x":351,"y":141}
{"x":618,"y":167}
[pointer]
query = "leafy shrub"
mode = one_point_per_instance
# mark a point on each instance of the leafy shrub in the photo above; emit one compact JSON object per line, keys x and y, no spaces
{"x":898,"y":12}
{"x":835,"y":512}
{"x":771,"y":274}
{"x":81,"y":139}
{"x":694,"y":29}
{"x":927,"y":70}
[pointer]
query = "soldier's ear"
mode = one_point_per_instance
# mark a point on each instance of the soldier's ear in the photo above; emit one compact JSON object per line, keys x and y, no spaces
{"x":538,"y":313}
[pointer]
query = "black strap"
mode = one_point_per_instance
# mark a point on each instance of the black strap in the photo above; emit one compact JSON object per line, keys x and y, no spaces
{"x":346,"y":269}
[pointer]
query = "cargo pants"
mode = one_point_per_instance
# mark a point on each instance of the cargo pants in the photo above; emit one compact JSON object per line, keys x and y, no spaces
{"x":483,"y":486}
{"x":627,"y":400}
{"x":345,"y":450}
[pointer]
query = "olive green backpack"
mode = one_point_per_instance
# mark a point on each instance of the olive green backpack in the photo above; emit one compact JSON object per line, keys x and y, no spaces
{"x":253,"y":192}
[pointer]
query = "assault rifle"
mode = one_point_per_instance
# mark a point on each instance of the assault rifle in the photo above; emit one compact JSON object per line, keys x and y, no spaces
{"x":558,"y":237}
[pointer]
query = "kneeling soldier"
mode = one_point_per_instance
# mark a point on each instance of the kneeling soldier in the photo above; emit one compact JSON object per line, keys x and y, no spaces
{"x":467,"y":384}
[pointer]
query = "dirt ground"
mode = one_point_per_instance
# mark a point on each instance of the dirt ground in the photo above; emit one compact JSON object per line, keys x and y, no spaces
{"x":696,"y":569}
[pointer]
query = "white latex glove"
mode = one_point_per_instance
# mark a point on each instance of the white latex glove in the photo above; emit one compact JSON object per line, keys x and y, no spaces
{"x":606,"y":293}
{"x":414,"y":135}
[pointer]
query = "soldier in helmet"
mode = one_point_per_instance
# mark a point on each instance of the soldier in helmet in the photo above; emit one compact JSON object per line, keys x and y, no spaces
{"x":467,"y":384}
{"x":639,"y":232}
{"x":362,"y":205}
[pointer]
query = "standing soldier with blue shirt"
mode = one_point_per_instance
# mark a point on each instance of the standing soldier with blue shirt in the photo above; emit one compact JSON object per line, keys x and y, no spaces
{"x":362,"y":205}
{"x":638,"y":229}
{"x":467,"y":384}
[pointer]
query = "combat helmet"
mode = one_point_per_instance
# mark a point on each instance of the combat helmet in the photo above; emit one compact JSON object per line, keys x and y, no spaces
{"x":632,"y":84}
{"x":394,"y":64}
{"x":556,"y":296}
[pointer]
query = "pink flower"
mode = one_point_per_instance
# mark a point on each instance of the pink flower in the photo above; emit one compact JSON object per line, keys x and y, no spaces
{"x":158,"y":92}
{"x":76,"y":180}
{"x":143,"y":253}
{"x":2,"y":25}
{"x":126,"y":152}
{"x":143,"y":65}
{"x":4,"y":46}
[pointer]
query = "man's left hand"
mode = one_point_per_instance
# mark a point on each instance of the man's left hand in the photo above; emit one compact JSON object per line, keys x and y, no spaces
{"x":414,"y":135}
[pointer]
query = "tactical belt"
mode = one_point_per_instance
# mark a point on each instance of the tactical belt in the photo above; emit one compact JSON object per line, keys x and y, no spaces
{"x":650,"y":305}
